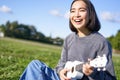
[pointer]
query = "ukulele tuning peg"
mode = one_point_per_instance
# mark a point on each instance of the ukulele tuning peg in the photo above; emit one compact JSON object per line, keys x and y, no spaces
{"x":104,"y":69}
{"x":104,"y":55}
{"x":98,"y":69}
{"x":98,"y":56}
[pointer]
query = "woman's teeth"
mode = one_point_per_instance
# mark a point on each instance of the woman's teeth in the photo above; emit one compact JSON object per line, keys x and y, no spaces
{"x":78,"y":20}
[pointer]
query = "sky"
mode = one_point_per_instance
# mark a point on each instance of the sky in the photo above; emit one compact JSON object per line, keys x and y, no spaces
{"x":51,"y":16}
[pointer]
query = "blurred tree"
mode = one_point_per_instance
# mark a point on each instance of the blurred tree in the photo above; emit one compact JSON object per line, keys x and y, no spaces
{"x":29,"y":32}
{"x":2,"y":28}
{"x":117,"y":40}
{"x":22,"y":31}
{"x":7,"y":29}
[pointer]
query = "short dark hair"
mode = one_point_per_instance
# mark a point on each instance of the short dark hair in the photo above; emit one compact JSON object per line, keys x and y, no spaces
{"x":94,"y":23}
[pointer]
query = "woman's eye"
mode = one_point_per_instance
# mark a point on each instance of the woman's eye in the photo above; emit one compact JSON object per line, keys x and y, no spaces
{"x":72,"y":11}
{"x":82,"y":10}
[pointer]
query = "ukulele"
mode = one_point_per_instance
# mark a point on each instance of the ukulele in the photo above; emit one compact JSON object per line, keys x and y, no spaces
{"x":74,"y":67}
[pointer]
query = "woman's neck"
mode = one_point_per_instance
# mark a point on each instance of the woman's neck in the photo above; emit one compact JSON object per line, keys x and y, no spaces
{"x":83,"y":33}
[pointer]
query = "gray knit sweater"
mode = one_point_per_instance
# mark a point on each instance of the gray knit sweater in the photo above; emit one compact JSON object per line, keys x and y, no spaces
{"x":82,"y":48}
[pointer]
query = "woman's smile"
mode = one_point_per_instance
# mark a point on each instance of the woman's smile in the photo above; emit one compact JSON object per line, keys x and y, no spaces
{"x":78,"y":21}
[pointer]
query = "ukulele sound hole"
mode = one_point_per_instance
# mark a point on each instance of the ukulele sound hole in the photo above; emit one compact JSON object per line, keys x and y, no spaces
{"x":72,"y":69}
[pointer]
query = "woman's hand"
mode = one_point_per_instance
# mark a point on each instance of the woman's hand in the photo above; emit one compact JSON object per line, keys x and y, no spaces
{"x":87,"y":69}
{"x":62,"y":74}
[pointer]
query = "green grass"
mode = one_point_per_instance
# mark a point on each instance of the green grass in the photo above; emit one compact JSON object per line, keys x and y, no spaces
{"x":15,"y":55}
{"x":116,"y":61}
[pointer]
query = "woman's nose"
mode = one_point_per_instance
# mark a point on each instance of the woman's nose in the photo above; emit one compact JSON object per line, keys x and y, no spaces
{"x":77,"y":14}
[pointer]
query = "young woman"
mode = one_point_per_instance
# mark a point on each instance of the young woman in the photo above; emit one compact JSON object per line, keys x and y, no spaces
{"x":85,"y":42}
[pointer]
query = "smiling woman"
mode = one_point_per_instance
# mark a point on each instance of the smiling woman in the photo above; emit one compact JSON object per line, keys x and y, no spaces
{"x":83,"y":45}
{"x":84,"y":18}
{"x":79,"y":15}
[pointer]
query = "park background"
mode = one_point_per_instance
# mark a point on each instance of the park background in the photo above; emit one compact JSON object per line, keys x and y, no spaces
{"x":32,"y":29}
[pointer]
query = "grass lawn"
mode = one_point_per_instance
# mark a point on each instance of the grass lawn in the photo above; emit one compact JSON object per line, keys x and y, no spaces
{"x":15,"y":54}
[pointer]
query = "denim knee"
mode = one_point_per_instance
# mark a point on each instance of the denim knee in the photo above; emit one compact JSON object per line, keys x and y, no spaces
{"x":36,"y":64}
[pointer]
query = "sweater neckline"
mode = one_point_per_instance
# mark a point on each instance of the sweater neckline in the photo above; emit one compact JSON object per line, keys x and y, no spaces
{"x":86,"y":37}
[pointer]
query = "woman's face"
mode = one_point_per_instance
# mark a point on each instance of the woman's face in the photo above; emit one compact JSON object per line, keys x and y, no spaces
{"x":79,"y":15}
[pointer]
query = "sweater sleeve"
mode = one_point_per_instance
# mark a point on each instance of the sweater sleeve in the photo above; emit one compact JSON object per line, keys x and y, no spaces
{"x":64,"y":53}
{"x":63,"y":58}
{"x":109,"y":74}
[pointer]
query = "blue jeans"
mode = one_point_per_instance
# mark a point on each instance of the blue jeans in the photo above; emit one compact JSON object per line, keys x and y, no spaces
{"x":37,"y":70}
